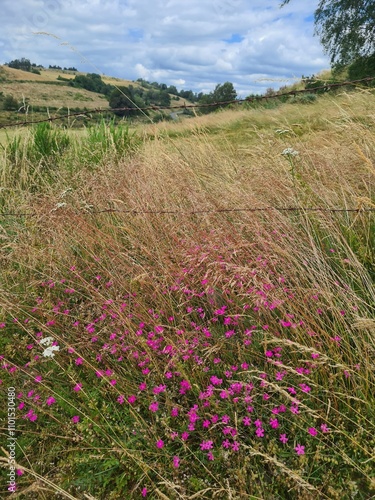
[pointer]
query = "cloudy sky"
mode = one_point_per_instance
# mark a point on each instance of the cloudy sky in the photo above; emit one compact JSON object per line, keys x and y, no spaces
{"x":193,"y":44}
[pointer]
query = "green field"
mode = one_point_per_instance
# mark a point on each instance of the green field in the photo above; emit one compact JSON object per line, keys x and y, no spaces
{"x":184,"y":314}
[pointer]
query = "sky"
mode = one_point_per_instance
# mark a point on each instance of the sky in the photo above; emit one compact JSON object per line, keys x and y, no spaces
{"x":192,"y":44}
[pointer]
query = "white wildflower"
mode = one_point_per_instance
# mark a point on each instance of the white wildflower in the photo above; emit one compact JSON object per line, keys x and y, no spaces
{"x":46,"y":341}
{"x":49,"y":352}
{"x":290,"y":152}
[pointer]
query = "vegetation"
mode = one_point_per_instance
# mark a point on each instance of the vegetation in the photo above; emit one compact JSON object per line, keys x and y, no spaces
{"x":160,"y":347}
{"x":346,"y":29}
{"x":92,"y":82}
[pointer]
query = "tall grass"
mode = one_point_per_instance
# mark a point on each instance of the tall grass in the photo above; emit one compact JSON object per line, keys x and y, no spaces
{"x":197,"y":354}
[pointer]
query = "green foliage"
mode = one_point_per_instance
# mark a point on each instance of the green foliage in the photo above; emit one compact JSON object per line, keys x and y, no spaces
{"x":23,"y":64}
{"x":346,"y":29}
{"x":10,"y":103}
{"x":305,"y":98}
{"x":48,"y":142}
{"x":109,"y":139}
{"x":92,"y":82}
{"x":362,"y":67}
{"x":223,"y":92}
{"x":125,"y":97}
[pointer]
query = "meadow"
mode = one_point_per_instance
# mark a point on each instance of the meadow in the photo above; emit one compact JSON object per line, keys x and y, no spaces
{"x":187,"y":309}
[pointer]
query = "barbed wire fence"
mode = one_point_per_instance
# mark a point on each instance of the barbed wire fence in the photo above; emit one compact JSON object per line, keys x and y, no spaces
{"x":292,"y":93}
{"x":89,"y":210}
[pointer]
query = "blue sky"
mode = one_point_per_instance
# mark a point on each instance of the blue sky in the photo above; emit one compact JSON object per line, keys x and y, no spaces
{"x":192,"y":44}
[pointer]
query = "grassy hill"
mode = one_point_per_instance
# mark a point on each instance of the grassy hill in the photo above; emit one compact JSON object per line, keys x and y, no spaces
{"x":184,"y":314}
{"x":49,"y":93}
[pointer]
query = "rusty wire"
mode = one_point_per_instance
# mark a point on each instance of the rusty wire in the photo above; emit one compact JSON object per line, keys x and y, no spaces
{"x":325,"y":87}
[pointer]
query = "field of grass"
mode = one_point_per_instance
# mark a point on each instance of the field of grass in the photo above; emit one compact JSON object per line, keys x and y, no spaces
{"x":167,"y":333}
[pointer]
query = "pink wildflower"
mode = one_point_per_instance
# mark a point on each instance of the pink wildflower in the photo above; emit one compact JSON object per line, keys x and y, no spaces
{"x":132,"y":399}
{"x":300,"y":450}
{"x":259,"y":432}
{"x":206,"y":445}
{"x":283,"y":438}
{"x":154,"y":406}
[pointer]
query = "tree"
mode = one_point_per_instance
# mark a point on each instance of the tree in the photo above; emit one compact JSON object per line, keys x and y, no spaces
{"x":125,"y":97}
{"x":346,"y":29}
{"x":362,"y":67}
{"x":23,"y":64}
{"x":224,"y":92}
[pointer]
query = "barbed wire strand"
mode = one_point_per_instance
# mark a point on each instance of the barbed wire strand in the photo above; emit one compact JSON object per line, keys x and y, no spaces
{"x":251,"y":99}
{"x":192,"y":212}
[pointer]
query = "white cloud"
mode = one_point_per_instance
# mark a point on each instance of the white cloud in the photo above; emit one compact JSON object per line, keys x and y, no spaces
{"x":180,"y":43}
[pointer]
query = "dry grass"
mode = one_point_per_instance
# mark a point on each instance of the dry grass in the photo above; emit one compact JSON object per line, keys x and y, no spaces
{"x":167,"y":262}
{"x":39,"y":94}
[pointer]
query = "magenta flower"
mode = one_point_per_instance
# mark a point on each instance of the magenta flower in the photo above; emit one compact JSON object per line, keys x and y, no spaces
{"x":226,"y":444}
{"x":154,"y":406}
{"x":132,"y":399}
{"x":210,"y":456}
{"x":78,"y":361}
{"x":274,"y":423}
{"x":324,"y":428}
{"x":159,"y":389}
{"x":236,"y":446}
{"x":246,"y":421}
{"x":121,"y":399}
{"x":160,"y":443}
{"x":283,"y":438}
{"x":176,"y":462}
{"x":50,"y":401}
{"x":174,"y":412}
{"x":184,"y":436}
{"x":300,"y":450}
{"x":305,"y":388}
{"x":144,"y":492}
{"x":75,"y":419}
{"x":206,"y":445}
{"x":77,"y":387}
{"x":259,"y":432}
{"x":184,"y":386}
{"x":215,"y":380}
{"x":312,"y":431}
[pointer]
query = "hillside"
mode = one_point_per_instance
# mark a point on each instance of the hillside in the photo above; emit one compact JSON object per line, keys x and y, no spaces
{"x":49,"y":93}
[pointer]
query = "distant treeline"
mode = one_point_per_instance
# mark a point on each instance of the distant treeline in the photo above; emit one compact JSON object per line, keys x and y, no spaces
{"x":26,"y":65}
